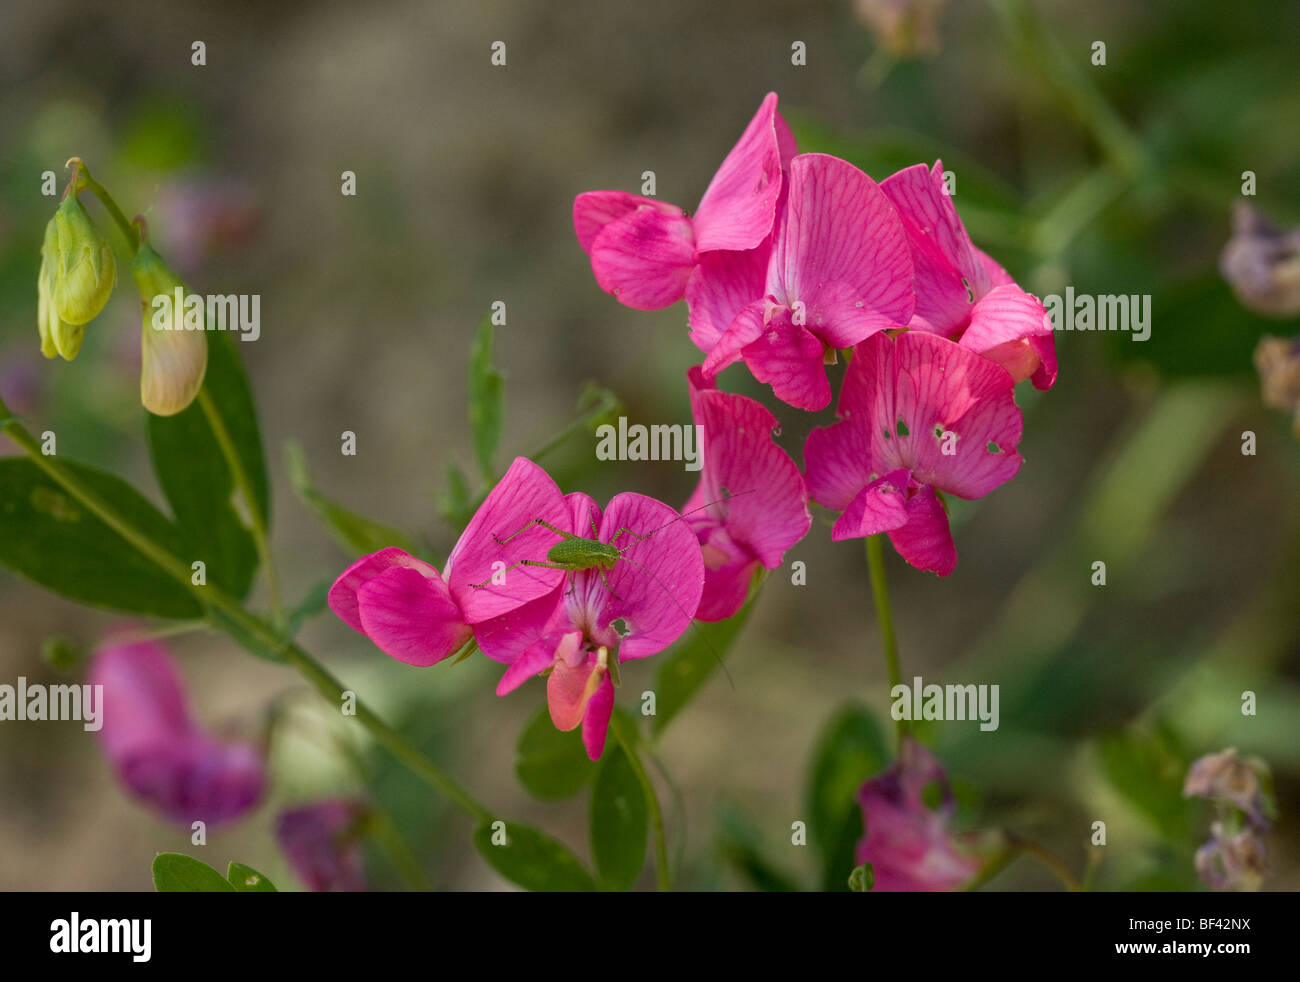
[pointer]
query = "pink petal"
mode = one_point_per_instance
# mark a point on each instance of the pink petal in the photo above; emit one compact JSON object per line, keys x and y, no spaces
{"x":532,"y":662}
{"x":1001,"y":325}
{"x":645,"y":258}
{"x":926,"y":541}
{"x":725,"y":589}
{"x":841,"y":252}
{"x":411,"y":616}
{"x":593,"y":210}
{"x":746,"y":328}
{"x":768,"y":510}
{"x":343,"y":594}
{"x":722,"y":285}
{"x":595,"y":722}
{"x":738,"y":207}
{"x":570,"y":686}
{"x":790,"y":359}
{"x":143,"y":697}
{"x":917,"y":192}
{"x":509,"y":636}
{"x":524,"y":494}
{"x":933,"y":387}
{"x":1044,"y":376}
{"x":657,"y":583}
{"x":879,"y":507}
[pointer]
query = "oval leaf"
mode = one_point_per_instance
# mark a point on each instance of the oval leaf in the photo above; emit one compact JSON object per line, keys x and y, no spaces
{"x":174,"y":872}
{"x":245,"y":879}
{"x":531,"y":859}
{"x":51,"y":538}
{"x":549,"y":762}
{"x":619,"y":821}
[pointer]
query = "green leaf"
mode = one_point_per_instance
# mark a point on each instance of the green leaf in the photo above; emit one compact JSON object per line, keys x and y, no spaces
{"x":1147,"y":766}
{"x":187,"y":457}
{"x":619,"y":821}
{"x":549,"y":762}
{"x":682,"y":673}
{"x":174,"y":872}
{"x":312,"y":604}
{"x":245,"y":879}
{"x":49,"y":537}
{"x":454,"y":505}
{"x":862,"y":879}
{"x":851,"y":750}
{"x":355,"y":533}
{"x":738,"y":845}
{"x":486,"y":400}
{"x":532,"y":859}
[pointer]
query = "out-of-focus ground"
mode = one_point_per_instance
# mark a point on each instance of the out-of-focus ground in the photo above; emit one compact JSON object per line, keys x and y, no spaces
{"x":466,"y":175}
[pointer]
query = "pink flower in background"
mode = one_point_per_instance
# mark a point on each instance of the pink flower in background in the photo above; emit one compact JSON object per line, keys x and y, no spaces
{"x":919,"y":415}
{"x":757,"y":500}
{"x":632,"y":611}
{"x":156,"y":748}
{"x":420,"y":617}
{"x":323,"y":843}
{"x":839,"y":271}
{"x":907,"y":841}
{"x":643,"y":251}
{"x":961,"y":293}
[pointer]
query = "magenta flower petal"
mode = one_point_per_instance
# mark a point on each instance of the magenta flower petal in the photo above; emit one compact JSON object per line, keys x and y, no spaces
{"x":790,"y":359}
{"x":343,"y":594}
{"x":879,"y":507}
{"x":645,"y":258}
{"x":323,"y":843}
{"x":918,"y":193}
{"x":721,"y":286}
{"x":157,"y":751}
{"x":593,"y":210}
{"x":532,"y":661}
{"x":524,"y":494}
{"x":574,"y":679}
{"x":738,"y":208}
{"x":411,"y":616}
{"x":1004,"y":324}
{"x":595,"y":723}
{"x":925,"y":540}
{"x":657,"y":583}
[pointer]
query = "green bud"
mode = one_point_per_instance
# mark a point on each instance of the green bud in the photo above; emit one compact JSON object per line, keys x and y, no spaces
{"x":60,"y":654}
{"x":173,"y":360}
{"x":47,"y":319}
{"x":85,"y":273}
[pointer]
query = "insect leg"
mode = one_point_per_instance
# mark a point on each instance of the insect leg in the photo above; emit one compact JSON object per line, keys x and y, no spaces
{"x":536,"y":521}
{"x":522,"y":562}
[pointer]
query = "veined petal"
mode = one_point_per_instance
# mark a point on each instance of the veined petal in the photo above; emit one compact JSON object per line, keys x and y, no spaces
{"x":595,"y":722}
{"x":593,"y":210}
{"x":573,"y":681}
{"x":925,"y":540}
{"x":791,"y":359}
{"x":721,"y":286}
{"x":879,"y":507}
{"x":1002,"y":324}
{"x":410,"y":616}
{"x":918,"y":192}
{"x":739,"y":206}
{"x":645,"y":258}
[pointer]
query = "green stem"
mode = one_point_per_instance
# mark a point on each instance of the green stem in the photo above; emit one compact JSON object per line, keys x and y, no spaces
{"x":235,"y":615}
{"x":245,"y":487}
{"x":1032,"y":849}
{"x":885,"y":615}
{"x":628,"y":742}
{"x":83,"y":180}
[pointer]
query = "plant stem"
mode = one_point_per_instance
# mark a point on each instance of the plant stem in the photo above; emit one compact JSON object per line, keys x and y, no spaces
{"x":628,"y":742}
{"x":1050,"y":860}
{"x":84,"y":180}
{"x":245,"y":487}
{"x":235,"y":615}
{"x":885,"y":615}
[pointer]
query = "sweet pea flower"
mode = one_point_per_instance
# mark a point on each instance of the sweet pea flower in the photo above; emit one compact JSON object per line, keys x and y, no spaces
{"x":643,"y":251}
{"x":919,"y":415}
{"x":839,"y":271}
{"x":323,"y":843}
{"x":751,"y":504}
{"x":1236,"y":861}
{"x":961,"y":293}
{"x":597,"y":619}
{"x":907,"y":841}
{"x":156,"y":748}
{"x":1226,"y":778}
{"x":418,"y":616}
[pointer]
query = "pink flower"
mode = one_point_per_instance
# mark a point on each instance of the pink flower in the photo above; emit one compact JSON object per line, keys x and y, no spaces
{"x":907,"y":841}
{"x":420,"y":617}
{"x":634,"y":610}
{"x":839,"y":271}
{"x":323,"y":843}
{"x":158,"y":751}
{"x":920,"y":415}
{"x":757,"y":502}
{"x":961,"y":293}
{"x":643,"y":250}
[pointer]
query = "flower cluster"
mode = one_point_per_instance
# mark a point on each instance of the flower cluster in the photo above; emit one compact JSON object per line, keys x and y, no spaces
{"x":1235,"y":858}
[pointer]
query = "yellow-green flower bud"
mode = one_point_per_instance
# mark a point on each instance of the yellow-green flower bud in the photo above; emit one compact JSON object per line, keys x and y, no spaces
{"x":47,"y":320}
{"x":173,"y":359}
{"x":85,"y":271}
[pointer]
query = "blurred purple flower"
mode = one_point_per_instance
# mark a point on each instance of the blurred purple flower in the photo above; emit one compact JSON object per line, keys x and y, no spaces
{"x":907,"y":841}
{"x":904,"y":28}
{"x":1262,"y":264}
{"x":1233,"y":862}
{"x":157,"y":750}
{"x":1278,"y":362}
{"x":200,"y":216}
{"x":323,"y":844}
{"x":1226,"y":778}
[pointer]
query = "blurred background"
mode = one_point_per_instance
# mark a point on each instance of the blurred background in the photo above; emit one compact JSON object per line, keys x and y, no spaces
{"x":1114,"y":178}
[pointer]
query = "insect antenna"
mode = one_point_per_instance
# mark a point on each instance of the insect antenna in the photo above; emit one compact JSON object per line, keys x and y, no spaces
{"x":727,"y":496}
{"x":694,"y":623}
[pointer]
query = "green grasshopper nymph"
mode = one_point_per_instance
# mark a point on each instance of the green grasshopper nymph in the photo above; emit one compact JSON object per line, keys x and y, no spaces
{"x":575,"y":553}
